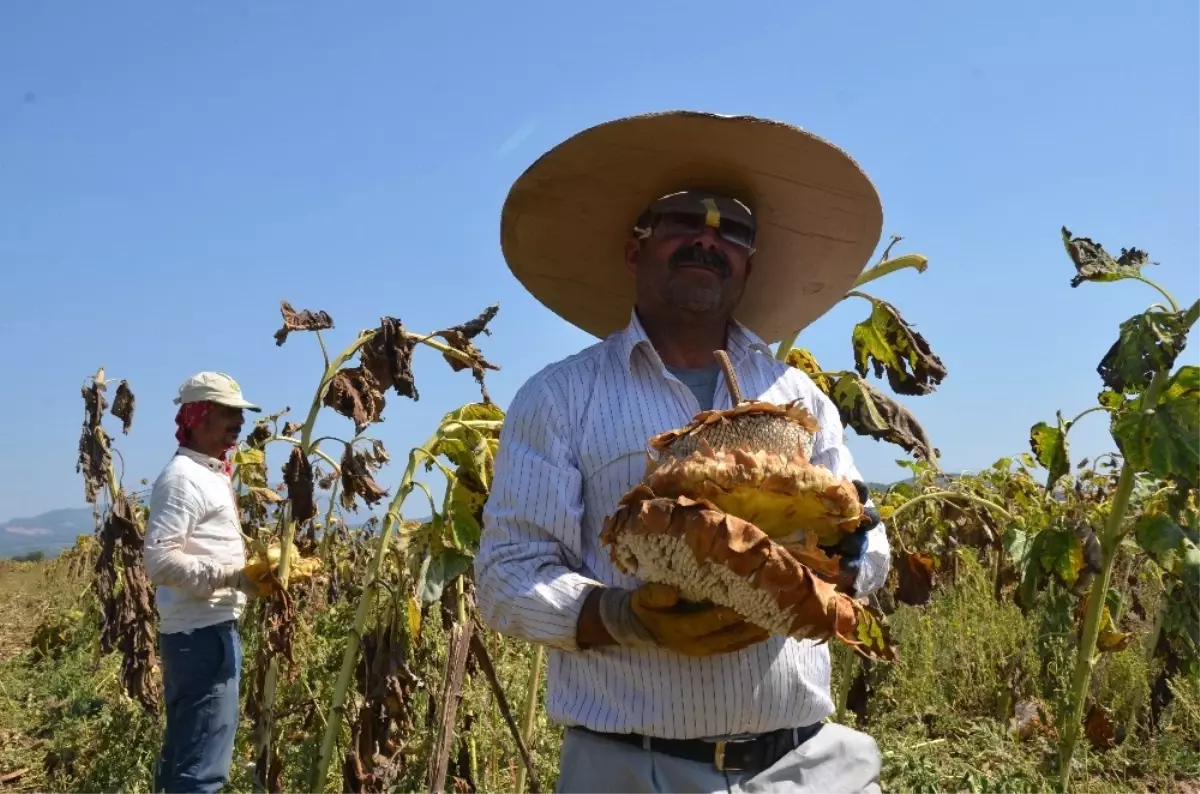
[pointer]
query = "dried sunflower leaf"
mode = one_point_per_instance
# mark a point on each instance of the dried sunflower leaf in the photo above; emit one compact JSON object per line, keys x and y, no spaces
{"x":357,"y":468}
{"x":887,"y":343}
{"x":306,"y":320}
{"x":94,"y":454}
{"x":917,"y":578}
{"x":123,"y":406}
{"x":298,"y":476}
{"x":1093,"y":263}
{"x":872,"y":413}
{"x":355,"y":394}
{"x":388,"y":356}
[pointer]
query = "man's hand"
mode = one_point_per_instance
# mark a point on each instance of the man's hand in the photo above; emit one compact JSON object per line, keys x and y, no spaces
{"x":692,"y":629}
{"x":652,"y":616}
{"x":851,"y":547}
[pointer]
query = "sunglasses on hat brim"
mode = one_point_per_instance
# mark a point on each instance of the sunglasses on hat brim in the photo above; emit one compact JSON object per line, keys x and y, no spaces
{"x":680,"y":216}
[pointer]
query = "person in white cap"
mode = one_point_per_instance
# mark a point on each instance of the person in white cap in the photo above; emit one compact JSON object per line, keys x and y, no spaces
{"x":669,"y":236}
{"x":195,"y":556}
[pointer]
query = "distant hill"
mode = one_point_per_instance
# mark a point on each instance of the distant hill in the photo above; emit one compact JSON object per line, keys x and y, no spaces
{"x":49,"y":532}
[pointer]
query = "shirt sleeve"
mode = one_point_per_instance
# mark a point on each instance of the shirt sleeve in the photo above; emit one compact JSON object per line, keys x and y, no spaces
{"x":532,"y":524}
{"x":829,"y":450}
{"x":175,"y":509}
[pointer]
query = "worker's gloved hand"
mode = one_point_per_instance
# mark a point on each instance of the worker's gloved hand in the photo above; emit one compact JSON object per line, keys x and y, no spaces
{"x":653,"y":616}
{"x":851,"y":547}
{"x":260,"y":577}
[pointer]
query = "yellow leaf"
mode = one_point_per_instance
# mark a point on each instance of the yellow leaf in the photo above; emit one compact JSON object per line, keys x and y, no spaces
{"x":414,"y":618}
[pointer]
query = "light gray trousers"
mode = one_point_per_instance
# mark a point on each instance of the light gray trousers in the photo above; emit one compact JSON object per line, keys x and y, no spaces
{"x":838,"y":759}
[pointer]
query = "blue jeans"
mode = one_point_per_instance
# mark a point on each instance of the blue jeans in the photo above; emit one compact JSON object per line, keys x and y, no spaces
{"x":201,"y":670}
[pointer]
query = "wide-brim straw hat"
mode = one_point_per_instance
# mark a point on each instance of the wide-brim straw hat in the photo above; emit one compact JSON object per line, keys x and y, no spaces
{"x":568,"y":216}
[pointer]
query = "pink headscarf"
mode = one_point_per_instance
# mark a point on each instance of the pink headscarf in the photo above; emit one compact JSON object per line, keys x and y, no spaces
{"x":189,"y":417}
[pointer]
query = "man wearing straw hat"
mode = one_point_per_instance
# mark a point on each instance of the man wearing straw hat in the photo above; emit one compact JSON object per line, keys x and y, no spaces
{"x":669,"y":236}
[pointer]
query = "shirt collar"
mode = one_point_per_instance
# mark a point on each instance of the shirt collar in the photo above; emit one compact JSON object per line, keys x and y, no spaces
{"x":741,"y":341}
{"x":207,"y":461}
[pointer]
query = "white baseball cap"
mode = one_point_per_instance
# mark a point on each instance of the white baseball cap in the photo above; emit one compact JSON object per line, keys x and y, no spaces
{"x":215,"y":387}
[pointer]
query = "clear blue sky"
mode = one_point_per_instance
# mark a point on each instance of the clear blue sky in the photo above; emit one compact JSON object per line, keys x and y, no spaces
{"x":170,"y":171}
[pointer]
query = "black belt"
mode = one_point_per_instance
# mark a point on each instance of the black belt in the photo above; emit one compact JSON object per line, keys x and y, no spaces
{"x":754,"y":753}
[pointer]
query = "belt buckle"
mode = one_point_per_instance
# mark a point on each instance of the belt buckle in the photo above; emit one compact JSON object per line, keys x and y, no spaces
{"x":719,"y":755}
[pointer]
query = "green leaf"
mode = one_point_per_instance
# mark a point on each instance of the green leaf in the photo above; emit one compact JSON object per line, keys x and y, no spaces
{"x":466,"y":509}
{"x":1147,"y":343}
{"x":445,"y":565}
{"x":1093,"y":263}
{"x":803,"y":360}
{"x":885,"y":341}
{"x":1016,"y":546}
{"x":1111,"y":400}
{"x":1169,"y":545}
{"x":872,"y":413}
{"x":1049,"y":446}
{"x":1164,"y":441}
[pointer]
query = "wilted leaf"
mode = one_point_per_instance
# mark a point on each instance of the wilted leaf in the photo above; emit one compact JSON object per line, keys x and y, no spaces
{"x":123,"y":406}
{"x":1099,"y":728}
{"x":354,"y":393}
{"x":1164,"y":441}
{"x":414,"y":618}
{"x":259,"y":436}
{"x":306,"y":320}
{"x":917,"y":578}
{"x":1073,"y":555}
{"x":291,"y":429}
{"x":1049,"y":446}
{"x":1093,"y":263}
{"x":388,"y":356}
{"x":1147,"y":343}
{"x":872,"y":413}
{"x":466,"y":508}
{"x":803,"y":360}
{"x":94,"y":455}
{"x":459,"y":337}
{"x":251,"y":467}
{"x":357,"y":480}
{"x":266,"y":495}
{"x":298,"y":475}
{"x":888,"y":343}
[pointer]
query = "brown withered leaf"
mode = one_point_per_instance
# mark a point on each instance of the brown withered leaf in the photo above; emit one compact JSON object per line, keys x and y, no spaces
{"x":94,"y":455}
{"x":258,"y":437}
{"x":1099,"y":728}
{"x":459,"y":337}
{"x":388,"y":356}
{"x":291,"y":428}
{"x":872,"y":413}
{"x":298,"y":476}
{"x":307,"y":320}
{"x":354,"y":393}
{"x":123,"y":405}
{"x":473,"y":328}
{"x":357,"y":479}
{"x":326,"y":480}
{"x":1026,"y":721}
{"x":917,"y":578}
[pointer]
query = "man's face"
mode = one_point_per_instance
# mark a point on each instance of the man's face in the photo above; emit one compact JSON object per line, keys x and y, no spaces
{"x":691,"y":267}
{"x":220,"y":429}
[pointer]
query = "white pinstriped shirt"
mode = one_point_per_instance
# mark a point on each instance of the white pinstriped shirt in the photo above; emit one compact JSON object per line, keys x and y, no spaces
{"x":574,"y":441}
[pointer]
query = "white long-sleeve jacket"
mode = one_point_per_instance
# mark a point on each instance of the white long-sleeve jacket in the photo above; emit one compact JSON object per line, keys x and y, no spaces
{"x":193,"y":544}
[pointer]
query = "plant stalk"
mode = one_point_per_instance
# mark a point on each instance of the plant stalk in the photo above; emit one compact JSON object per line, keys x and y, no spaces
{"x":530,"y":709}
{"x":948,"y":496}
{"x":1085,"y":655}
{"x":337,"y":708}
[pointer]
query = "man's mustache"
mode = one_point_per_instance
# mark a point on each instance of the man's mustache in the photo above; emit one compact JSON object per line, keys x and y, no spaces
{"x":695,"y":255}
